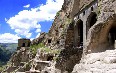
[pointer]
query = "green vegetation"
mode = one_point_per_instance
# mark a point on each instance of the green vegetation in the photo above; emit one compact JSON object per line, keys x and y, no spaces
{"x":68,"y":21}
{"x":4,"y":56}
{"x":43,"y":48}
{"x":1,"y":69}
{"x":9,"y":46}
{"x":35,"y":47}
{"x":58,"y":13}
{"x":6,"y":50}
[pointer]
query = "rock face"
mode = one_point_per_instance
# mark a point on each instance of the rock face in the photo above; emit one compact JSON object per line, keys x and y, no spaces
{"x":68,"y":58}
{"x":41,"y":61}
{"x":99,"y":49}
{"x":40,"y":39}
{"x":20,"y":61}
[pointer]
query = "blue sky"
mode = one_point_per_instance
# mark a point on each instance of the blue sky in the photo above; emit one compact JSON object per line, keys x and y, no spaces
{"x":26,"y":18}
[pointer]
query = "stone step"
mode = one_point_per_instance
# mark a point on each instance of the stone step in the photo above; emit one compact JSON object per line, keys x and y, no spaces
{"x":20,"y":72}
{"x":33,"y":71}
{"x":94,"y":68}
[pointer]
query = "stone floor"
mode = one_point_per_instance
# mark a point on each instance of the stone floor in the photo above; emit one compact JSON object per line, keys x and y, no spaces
{"x":95,"y":68}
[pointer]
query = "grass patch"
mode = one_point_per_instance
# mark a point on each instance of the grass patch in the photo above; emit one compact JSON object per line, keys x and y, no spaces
{"x":43,"y":48}
{"x":35,"y":47}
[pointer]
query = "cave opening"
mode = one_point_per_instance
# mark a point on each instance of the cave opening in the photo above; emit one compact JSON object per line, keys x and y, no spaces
{"x":91,"y":20}
{"x":112,"y":36}
{"x":79,"y":33}
{"x":50,"y":58}
{"x":58,"y":42}
{"x":49,"y":40}
{"x":23,"y":45}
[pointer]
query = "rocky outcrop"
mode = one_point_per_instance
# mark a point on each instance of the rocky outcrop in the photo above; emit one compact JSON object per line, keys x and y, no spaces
{"x":41,"y":60}
{"x":68,"y":58}
{"x":20,"y":60}
{"x":40,"y":39}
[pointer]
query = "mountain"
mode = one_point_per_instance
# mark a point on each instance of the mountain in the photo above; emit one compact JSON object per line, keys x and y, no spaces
{"x":6,"y":50}
{"x":9,"y":46}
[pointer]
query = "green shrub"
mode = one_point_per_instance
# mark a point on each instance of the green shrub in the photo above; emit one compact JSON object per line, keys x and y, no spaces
{"x":67,"y":21}
{"x":43,"y":48}
{"x":35,"y":47}
{"x":58,"y":13}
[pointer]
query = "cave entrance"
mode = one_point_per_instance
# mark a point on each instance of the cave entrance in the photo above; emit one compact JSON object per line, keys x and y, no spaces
{"x":112,"y":36}
{"x":49,"y":40}
{"x":91,"y":20}
{"x":50,"y":58}
{"x":23,"y":45}
{"x":79,"y":34}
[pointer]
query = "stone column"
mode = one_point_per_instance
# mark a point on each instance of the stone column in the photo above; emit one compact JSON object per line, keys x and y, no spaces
{"x":115,"y":44}
{"x":84,"y":30}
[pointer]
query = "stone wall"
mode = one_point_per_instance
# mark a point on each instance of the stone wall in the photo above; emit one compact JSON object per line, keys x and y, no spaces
{"x":98,"y":36}
{"x":24,"y":42}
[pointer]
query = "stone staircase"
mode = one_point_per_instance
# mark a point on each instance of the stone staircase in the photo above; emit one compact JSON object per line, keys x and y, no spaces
{"x":104,"y":62}
{"x":39,"y":62}
{"x":95,"y":68}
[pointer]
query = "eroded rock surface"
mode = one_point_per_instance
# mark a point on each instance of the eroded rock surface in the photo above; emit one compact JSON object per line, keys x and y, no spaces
{"x":20,"y":60}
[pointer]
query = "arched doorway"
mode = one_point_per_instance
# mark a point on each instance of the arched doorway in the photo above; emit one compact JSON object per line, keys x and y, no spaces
{"x":23,"y":45}
{"x":78,"y":31}
{"x":91,"y":20}
{"x":112,"y":36}
{"x":102,"y":37}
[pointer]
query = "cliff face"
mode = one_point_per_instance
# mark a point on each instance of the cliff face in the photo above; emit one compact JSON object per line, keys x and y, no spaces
{"x":20,"y":61}
{"x":63,"y":18}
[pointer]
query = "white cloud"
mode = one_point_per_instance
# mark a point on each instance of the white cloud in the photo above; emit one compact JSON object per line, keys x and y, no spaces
{"x":27,"y":20}
{"x":31,"y":39}
{"x":38,"y":30}
{"x":9,"y":38}
{"x":38,"y":35}
{"x":6,"y":19}
{"x":27,"y":6}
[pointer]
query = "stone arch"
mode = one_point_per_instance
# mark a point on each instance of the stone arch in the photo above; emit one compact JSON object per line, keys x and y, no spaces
{"x":78,"y":33}
{"x":91,"y":20}
{"x":112,"y":36}
{"x":101,"y":36}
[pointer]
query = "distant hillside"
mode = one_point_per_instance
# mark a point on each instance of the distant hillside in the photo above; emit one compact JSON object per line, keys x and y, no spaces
{"x":9,"y":46}
{"x":6,"y":50}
